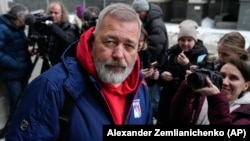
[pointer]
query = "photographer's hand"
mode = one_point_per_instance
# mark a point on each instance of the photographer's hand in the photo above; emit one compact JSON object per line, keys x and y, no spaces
{"x":193,"y":67}
{"x":209,"y":90}
{"x":187,"y":73}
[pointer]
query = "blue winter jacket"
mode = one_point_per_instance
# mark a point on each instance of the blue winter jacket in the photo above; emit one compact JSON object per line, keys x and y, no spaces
{"x":15,"y":61}
{"x":37,"y":115}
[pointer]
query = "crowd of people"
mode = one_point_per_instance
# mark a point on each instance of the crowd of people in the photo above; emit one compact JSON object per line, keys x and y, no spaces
{"x":114,"y":66}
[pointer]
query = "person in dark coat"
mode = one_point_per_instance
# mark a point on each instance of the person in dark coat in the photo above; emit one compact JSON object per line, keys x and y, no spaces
{"x":148,"y":69}
{"x":188,"y":51}
{"x":151,"y":16}
{"x":15,"y":61}
{"x":60,"y":34}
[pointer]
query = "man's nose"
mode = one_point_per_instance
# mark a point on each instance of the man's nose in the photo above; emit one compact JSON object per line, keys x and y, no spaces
{"x":118,"y":51}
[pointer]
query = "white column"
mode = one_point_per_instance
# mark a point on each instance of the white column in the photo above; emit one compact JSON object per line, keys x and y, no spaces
{"x":4,"y":7}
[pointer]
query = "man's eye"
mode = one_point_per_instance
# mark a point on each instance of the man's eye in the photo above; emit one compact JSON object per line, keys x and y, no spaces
{"x":110,"y":43}
{"x":130,"y":47}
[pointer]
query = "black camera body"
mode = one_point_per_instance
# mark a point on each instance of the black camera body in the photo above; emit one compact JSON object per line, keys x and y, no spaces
{"x":206,"y":68}
{"x":37,"y":34}
{"x":197,"y":79}
{"x":40,"y":16}
{"x":37,"y":16}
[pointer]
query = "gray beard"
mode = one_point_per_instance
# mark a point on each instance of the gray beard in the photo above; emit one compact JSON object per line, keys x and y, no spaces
{"x":111,"y":76}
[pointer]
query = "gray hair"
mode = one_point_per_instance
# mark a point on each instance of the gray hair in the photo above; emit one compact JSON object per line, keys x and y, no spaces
{"x":120,"y":11}
{"x":16,"y":11}
{"x":64,"y":10}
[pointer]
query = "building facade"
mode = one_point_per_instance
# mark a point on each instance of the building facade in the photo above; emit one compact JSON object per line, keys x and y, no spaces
{"x":233,"y":14}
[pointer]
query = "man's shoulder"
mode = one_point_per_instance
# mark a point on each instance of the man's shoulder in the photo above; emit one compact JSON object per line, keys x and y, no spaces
{"x":55,"y":74}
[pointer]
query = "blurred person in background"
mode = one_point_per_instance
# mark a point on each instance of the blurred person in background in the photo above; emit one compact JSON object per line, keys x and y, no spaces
{"x":144,"y":52}
{"x":188,"y":51}
{"x":78,"y":16}
{"x":149,"y":70}
{"x":15,"y":61}
{"x":79,"y":11}
{"x":90,"y":17}
{"x":59,"y":34}
{"x":95,"y":11}
{"x":151,"y":17}
{"x":232,"y":44}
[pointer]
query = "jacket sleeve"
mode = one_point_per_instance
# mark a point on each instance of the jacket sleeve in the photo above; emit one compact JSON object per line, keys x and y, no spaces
{"x":218,"y":109}
{"x":36,"y":117}
{"x":6,"y":60}
{"x":180,"y":104}
{"x":68,"y":36}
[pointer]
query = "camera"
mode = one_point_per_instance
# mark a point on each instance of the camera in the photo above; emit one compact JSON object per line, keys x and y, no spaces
{"x":206,"y":68}
{"x":40,"y":16}
{"x":43,"y":17}
{"x":197,"y":79}
{"x":37,"y":16}
{"x":37,"y":33}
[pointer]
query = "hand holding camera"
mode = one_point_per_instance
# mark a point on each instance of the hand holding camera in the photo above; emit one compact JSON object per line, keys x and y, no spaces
{"x":197,"y":79}
{"x":204,"y":69}
{"x":209,"y":90}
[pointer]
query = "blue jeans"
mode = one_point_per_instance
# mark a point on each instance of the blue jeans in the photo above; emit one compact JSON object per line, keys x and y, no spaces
{"x":14,"y":89}
{"x":154,"y":92}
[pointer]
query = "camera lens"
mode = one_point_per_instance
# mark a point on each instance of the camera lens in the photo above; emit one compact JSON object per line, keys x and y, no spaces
{"x":196,"y":80}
